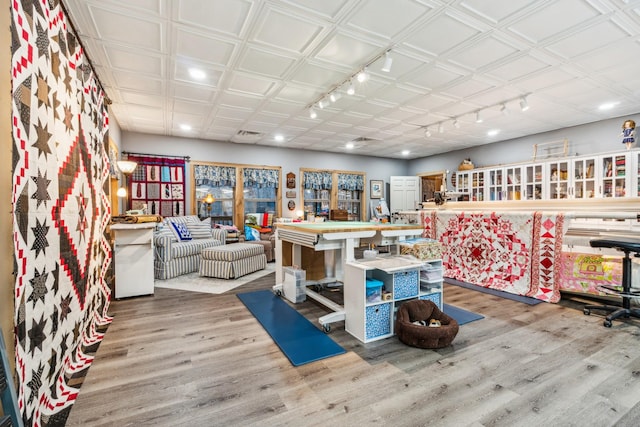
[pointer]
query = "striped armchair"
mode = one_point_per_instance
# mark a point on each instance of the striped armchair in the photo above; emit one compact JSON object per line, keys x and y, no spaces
{"x":174,"y":257}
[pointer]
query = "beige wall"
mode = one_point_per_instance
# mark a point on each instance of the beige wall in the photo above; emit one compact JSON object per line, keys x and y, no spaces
{"x":6,"y":260}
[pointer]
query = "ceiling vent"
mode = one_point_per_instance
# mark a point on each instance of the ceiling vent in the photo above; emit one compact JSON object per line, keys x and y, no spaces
{"x":364,"y":139}
{"x":246,"y":137}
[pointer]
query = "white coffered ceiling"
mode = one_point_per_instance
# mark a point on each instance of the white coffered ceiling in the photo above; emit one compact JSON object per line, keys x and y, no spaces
{"x":268,"y":61}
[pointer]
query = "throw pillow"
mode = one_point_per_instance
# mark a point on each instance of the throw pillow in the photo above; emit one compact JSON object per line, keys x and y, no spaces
{"x":181,"y":231}
{"x":200,"y":230}
{"x":251,"y":233}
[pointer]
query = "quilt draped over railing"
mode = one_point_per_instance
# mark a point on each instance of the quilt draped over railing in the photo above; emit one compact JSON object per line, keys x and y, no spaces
{"x":516,"y":252}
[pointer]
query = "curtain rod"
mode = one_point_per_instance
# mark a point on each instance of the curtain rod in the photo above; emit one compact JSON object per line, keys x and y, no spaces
{"x":186,"y":158}
{"x":107,"y":100}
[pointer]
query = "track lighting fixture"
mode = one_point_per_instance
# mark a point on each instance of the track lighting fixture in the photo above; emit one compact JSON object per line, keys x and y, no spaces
{"x":333,"y":95}
{"x":388,"y":60}
{"x":504,"y":110}
{"x":312,"y":113}
{"x":478,"y":117}
{"x":351,"y":89}
{"x":440,"y":127}
{"x":362,"y":75}
{"x":427,"y":133}
{"x":456,"y":124}
{"x":524,"y":105}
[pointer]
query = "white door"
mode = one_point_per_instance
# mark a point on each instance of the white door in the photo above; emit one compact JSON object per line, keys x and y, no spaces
{"x":405,"y":193}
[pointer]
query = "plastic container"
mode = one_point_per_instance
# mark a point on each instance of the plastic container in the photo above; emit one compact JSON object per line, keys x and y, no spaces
{"x":294,"y":284}
{"x":431,"y":274}
{"x":374,"y":290}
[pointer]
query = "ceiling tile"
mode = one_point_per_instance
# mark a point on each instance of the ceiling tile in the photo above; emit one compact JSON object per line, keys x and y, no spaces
{"x":223,"y":16}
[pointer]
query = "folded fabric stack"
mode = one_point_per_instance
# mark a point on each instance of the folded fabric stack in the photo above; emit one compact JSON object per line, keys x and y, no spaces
{"x":134,"y":219}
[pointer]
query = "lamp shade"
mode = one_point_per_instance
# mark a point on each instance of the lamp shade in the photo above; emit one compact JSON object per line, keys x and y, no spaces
{"x":209,"y":199}
{"x":126,"y":166}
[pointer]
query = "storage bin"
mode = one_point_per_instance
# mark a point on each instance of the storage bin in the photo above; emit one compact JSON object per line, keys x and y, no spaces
{"x":431,"y":274}
{"x":435,"y":297}
{"x":405,"y":284}
{"x":374,"y":290}
{"x":294,"y":284}
{"x":377,"y":320}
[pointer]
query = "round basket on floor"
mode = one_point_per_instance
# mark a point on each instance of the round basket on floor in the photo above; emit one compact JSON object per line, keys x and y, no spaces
{"x":424,"y":336}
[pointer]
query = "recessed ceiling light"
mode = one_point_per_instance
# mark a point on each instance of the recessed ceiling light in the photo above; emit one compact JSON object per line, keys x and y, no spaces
{"x":197,"y":74}
{"x":607,"y":106}
{"x":185,"y":127}
{"x":349,"y":145}
{"x":405,"y":152}
{"x":278,"y":138}
{"x":493,"y":132}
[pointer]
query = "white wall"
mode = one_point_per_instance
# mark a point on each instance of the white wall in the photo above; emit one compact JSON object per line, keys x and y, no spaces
{"x":289,"y":159}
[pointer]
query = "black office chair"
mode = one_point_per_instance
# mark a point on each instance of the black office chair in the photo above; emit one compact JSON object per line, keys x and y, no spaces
{"x":627,"y":246}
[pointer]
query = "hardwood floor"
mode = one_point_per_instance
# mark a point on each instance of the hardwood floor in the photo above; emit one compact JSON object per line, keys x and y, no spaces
{"x":181,"y":358}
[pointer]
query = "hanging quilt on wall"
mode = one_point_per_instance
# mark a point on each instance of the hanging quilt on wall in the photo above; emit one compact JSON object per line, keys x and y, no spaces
{"x":158,"y":184}
{"x":60,"y":171}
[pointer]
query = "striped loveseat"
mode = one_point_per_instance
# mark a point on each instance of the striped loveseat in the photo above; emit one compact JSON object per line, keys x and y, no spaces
{"x":174,"y":257}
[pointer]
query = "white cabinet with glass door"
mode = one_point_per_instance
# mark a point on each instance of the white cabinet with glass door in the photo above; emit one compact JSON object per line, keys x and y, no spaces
{"x":495,"y":184}
{"x":477,"y":185}
{"x":634,"y":191}
{"x":558,"y":179}
{"x":533,"y":185}
{"x":584,"y":178}
{"x":615,"y":172}
{"x":513,"y":182}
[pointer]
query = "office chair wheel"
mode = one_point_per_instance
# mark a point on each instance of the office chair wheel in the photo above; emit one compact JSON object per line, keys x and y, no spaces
{"x":586,"y":311}
{"x":326,"y":328}
{"x":279,"y":293}
{"x":607,"y":323}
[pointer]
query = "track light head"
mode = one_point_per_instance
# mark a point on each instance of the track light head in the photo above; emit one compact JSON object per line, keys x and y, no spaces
{"x":312,"y":113}
{"x":524,"y":105}
{"x":362,"y":75}
{"x":440,"y":127}
{"x":351,"y":89}
{"x":427,"y":133}
{"x":456,"y":123}
{"x":504,"y":110}
{"x":478,"y":117}
{"x":388,"y":60}
{"x":334,"y":97}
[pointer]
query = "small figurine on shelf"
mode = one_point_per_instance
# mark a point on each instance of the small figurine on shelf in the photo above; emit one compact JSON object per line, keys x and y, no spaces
{"x":628,"y":133}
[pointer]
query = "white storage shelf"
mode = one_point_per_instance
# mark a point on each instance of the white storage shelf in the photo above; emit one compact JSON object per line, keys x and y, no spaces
{"x":403,"y":279}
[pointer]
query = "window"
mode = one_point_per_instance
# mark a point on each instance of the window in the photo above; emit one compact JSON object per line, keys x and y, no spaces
{"x":236,"y":190}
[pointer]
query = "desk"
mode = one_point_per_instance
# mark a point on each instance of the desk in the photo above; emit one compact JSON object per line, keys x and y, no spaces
{"x":332,"y":242}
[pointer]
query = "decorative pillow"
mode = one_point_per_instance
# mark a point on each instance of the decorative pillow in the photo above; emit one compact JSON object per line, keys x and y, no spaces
{"x":181,"y":231}
{"x":165,"y":230}
{"x":251,"y":233}
{"x":200,"y":230}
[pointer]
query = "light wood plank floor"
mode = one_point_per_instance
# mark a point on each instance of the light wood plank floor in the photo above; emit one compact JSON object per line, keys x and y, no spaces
{"x":189,"y":359}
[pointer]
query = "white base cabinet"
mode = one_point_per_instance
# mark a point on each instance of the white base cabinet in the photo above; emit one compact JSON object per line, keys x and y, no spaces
{"x":403,"y":279}
{"x":133,"y":259}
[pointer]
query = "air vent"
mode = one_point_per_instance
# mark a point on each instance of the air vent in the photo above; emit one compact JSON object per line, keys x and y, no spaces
{"x":246,"y":137}
{"x":365,"y":139}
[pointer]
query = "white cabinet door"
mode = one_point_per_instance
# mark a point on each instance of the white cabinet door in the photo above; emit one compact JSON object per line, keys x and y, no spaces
{"x":558,"y":176}
{"x":584,"y":178}
{"x":534,"y":188}
{"x":615,"y":171}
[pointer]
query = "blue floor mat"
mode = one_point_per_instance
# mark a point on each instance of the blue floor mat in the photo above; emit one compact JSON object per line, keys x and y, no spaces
{"x":461,"y":316}
{"x":298,"y":338}
{"x":501,"y":294}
